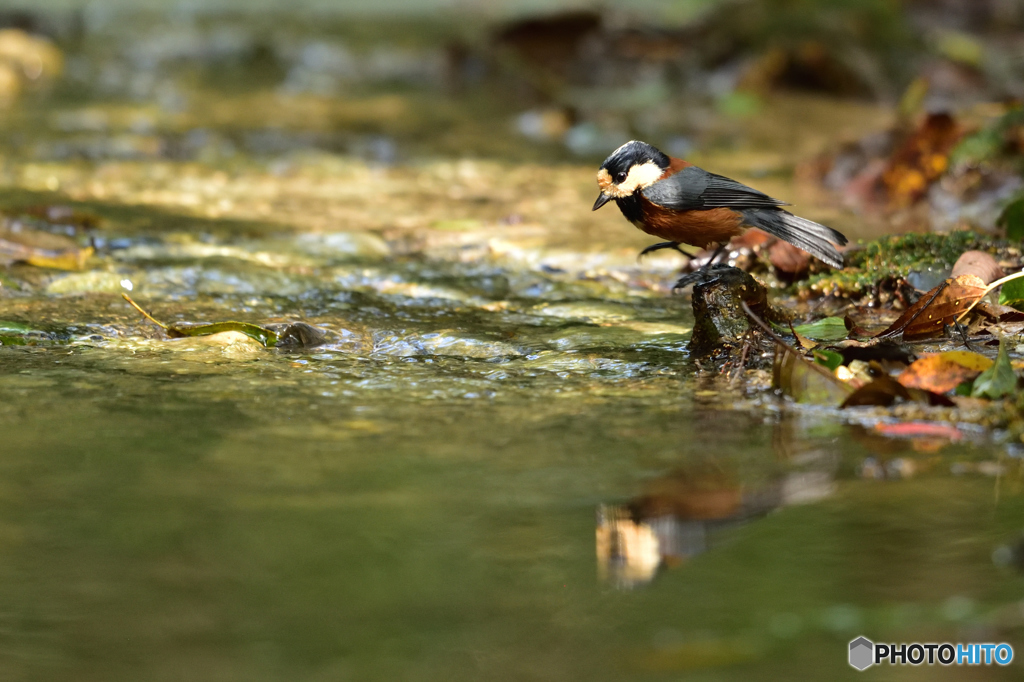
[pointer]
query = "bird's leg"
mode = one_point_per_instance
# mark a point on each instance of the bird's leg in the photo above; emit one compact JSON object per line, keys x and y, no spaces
{"x":963,"y":334}
{"x":716,"y":254}
{"x":663,"y":245}
{"x":700,"y":273}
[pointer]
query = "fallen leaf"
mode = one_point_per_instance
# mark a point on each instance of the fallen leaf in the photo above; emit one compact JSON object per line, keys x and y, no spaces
{"x":828,"y":358}
{"x":938,"y":308}
{"x":806,"y":382}
{"x":942,"y":372}
{"x":1000,"y":312}
{"x":968,"y":359}
{"x":797,"y":377}
{"x":183,"y":329}
{"x":883,"y":391}
{"x":997,"y":381}
{"x":41,"y":249}
{"x":788,"y":258}
{"x":979,"y":263}
{"x":804,"y":342}
{"x":826,"y":329}
{"x":1012,"y":294}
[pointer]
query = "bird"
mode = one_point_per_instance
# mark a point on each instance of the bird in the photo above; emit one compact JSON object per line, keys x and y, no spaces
{"x":675,"y":200}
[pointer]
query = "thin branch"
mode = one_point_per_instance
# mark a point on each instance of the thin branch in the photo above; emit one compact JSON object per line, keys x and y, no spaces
{"x":143,"y":312}
{"x":778,"y":339}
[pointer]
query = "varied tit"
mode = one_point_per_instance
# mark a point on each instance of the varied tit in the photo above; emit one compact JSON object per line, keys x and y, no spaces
{"x":673,"y":199}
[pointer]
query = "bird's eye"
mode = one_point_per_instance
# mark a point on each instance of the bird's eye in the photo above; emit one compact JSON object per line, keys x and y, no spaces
{"x":620,"y":178}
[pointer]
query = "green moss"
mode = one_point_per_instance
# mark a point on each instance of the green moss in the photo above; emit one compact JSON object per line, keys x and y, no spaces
{"x":892,"y":256}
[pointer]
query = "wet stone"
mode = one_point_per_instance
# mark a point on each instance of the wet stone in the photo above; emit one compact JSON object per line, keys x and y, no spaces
{"x":301,"y":335}
{"x":721,"y":328}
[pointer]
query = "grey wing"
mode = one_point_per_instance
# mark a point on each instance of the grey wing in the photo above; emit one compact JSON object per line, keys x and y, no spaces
{"x":695,"y":189}
{"x":723,"y":192}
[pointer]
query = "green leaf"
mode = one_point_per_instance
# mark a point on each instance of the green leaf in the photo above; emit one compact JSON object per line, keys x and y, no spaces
{"x":1012,"y":220}
{"x":829,"y":358}
{"x":1012,"y":294}
{"x":997,"y":381}
{"x":261,"y":334}
{"x":827,"y":329}
{"x":804,"y":382}
{"x":181,"y":329}
{"x":964,"y":389}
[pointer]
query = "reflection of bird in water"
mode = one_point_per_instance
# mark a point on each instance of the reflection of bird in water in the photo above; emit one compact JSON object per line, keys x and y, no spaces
{"x":673,"y":199}
{"x":628,"y":551}
{"x":678,"y":516}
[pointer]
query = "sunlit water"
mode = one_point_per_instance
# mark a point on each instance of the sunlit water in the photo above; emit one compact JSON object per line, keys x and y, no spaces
{"x":193,"y":514}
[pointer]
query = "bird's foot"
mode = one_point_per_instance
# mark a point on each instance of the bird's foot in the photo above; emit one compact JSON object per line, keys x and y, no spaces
{"x":663,"y":245}
{"x":703,"y":273}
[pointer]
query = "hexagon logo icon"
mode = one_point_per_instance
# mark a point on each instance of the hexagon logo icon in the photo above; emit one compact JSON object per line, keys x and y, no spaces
{"x":862,"y":653}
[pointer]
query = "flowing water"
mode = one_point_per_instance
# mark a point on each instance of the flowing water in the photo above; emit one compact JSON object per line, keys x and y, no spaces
{"x":436,"y":493}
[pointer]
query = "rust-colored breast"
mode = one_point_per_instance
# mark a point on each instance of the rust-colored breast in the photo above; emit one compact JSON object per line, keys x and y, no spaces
{"x":697,"y":228}
{"x":675,"y":165}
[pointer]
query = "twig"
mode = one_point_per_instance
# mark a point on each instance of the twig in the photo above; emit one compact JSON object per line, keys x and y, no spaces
{"x":778,"y":339}
{"x":143,"y":312}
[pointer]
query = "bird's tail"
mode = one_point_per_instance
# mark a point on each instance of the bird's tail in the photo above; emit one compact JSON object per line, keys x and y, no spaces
{"x":808,"y":235}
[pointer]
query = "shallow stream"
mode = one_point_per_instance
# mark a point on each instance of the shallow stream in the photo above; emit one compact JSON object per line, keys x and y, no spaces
{"x":418,"y":499}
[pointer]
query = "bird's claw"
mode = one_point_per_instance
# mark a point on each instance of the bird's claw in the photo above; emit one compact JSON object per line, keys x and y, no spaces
{"x":699,"y":276}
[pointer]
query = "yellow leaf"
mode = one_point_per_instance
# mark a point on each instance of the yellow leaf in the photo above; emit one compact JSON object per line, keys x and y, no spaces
{"x":966,"y":358}
{"x":72,"y":259}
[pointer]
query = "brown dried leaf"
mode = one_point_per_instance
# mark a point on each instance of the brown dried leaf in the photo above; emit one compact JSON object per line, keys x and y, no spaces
{"x":883,"y":391}
{"x":979,"y":263}
{"x":999,"y":313}
{"x":788,"y":258}
{"x":939,"y":307}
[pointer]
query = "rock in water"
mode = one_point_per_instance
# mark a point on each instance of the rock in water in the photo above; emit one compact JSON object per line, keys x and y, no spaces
{"x":721,"y":328}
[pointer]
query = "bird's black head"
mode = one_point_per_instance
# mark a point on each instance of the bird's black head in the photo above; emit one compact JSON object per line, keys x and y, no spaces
{"x":630,"y":168}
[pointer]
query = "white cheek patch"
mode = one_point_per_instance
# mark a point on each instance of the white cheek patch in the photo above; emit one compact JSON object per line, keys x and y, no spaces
{"x":641,"y":176}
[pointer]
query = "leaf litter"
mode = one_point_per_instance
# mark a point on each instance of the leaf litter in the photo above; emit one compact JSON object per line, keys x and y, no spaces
{"x":896,"y":367}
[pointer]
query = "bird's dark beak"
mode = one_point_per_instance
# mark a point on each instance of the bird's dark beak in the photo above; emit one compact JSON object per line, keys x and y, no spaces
{"x":602,"y":199}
